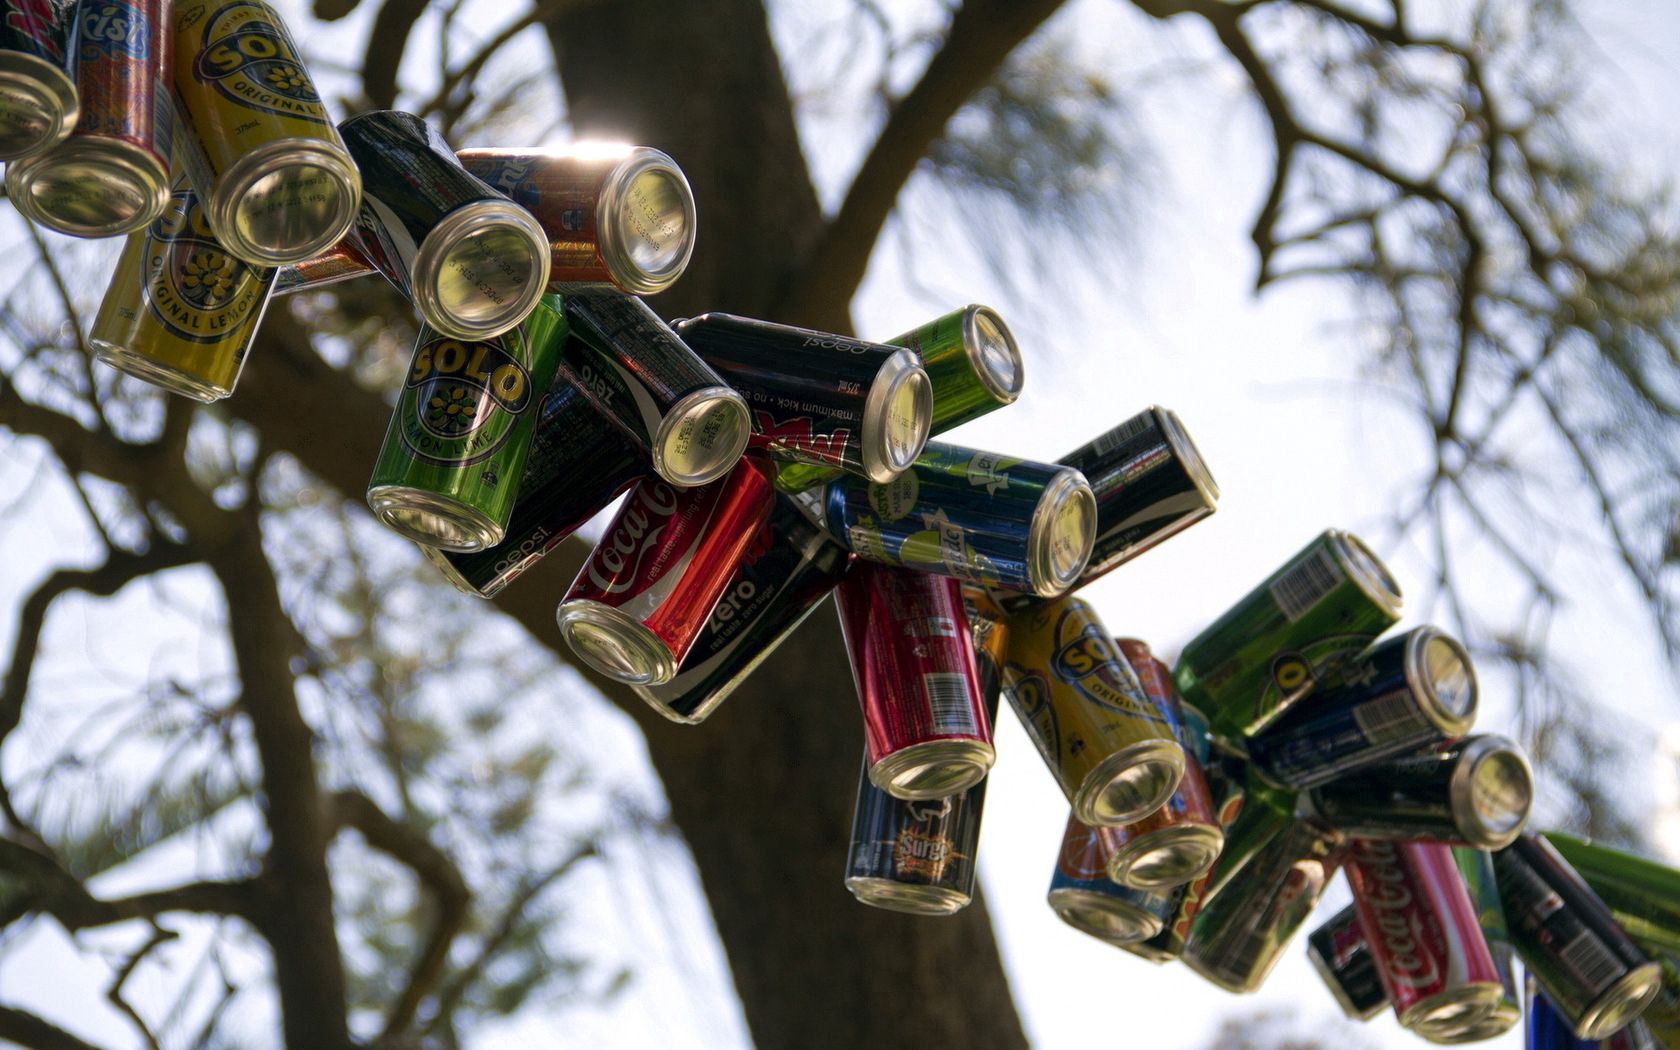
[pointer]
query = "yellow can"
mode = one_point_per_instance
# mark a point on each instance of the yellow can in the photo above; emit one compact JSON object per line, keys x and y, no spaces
{"x":278,"y":184}
{"x":1109,"y":745}
{"x":181,"y":311}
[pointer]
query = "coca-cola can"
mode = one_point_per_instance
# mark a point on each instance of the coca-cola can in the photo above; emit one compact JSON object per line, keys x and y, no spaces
{"x":38,"y":101}
{"x":1423,"y":932}
{"x":926,"y":730}
{"x":1337,"y":950}
{"x":1083,"y":895}
{"x":641,"y":600}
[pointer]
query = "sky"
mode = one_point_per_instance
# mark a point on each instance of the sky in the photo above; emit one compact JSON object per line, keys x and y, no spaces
{"x":1296,"y":436}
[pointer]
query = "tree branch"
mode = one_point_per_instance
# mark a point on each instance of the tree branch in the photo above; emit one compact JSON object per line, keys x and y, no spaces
{"x":386,"y":45}
{"x":35,"y":1033}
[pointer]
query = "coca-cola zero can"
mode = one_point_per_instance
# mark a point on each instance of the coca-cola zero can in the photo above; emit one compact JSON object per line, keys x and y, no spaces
{"x":38,"y":101}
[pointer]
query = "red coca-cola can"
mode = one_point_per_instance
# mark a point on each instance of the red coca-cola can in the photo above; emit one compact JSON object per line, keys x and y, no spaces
{"x":924,"y":711}
{"x":643,"y":596}
{"x":1423,"y":934}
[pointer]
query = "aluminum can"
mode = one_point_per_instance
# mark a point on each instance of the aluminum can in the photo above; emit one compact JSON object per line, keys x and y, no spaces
{"x":1112,"y":750}
{"x":38,"y":101}
{"x":111,"y":174}
{"x":1241,"y":932}
{"x":989,"y":632}
{"x":1406,"y":692}
{"x":1150,"y":483}
{"x":181,"y":311}
{"x":577,"y":464}
{"x":629,"y":362}
{"x":1264,"y":813}
{"x":973,"y":363}
{"x":1567,"y":939}
{"x":1337,"y":950}
{"x":1083,"y":895}
{"x":1187,"y":900}
{"x":1643,"y":895}
{"x":472,"y":261}
{"x":789,"y":568}
{"x":1423,"y":934}
{"x":449,"y":470}
{"x":1662,"y":1017}
{"x":1549,"y":1029}
{"x":616,"y":215}
{"x":340,"y":262}
{"x":642,"y":599}
{"x":925,"y":728}
{"x":273,"y":173}
{"x":1476,"y":791}
{"x":1475,"y":866}
{"x":1323,"y":607}
{"x":820,"y":398}
{"x":980,"y":517}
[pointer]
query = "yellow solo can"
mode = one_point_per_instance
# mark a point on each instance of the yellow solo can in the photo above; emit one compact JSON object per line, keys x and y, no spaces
{"x":181,"y":311}
{"x":278,"y":184}
{"x":1110,"y":746}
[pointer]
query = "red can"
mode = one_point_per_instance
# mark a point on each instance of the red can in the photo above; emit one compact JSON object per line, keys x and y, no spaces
{"x":1423,"y":934}
{"x":643,"y":596}
{"x":924,"y":710}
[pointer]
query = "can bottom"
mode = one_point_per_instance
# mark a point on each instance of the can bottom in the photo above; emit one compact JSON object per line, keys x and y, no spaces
{"x":701,"y":437}
{"x":912,"y":898}
{"x":1104,"y":917}
{"x":933,"y":768}
{"x":157,"y":373}
{"x":1453,"y":1011}
{"x":1167,"y":857}
{"x":1619,"y":1003}
{"x":615,"y":644}
{"x":480,"y":270}
{"x":90,"y":187}
{"x":1492,"y":1026}
{"x":1238,"y":984}
{"x":1130,"y":784}
{"x":433,"y":519}
{"x":38,"y":105}
{"x":285,"y":201}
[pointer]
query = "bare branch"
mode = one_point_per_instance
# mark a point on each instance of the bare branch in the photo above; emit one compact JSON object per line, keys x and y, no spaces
{"x":387,"y":43}
{"x":114,"y":995}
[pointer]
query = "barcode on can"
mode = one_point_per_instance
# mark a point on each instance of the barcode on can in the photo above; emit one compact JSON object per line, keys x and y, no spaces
{"x":1306,"y":583}
{"x":1593,"y":964}
{"x":1383,"y":720}
{"x":1131,"y":428}
{"x":949,"y":703}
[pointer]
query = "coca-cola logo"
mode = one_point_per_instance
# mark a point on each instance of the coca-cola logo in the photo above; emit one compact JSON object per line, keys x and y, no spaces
{"x":38,"y":21}
{"x":618,"y":559}
{"x":1384,"y":890}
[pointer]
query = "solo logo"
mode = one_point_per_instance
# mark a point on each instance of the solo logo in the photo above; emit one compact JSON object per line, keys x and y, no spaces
{"x":250,"y":60}
{"x":194,"y":288}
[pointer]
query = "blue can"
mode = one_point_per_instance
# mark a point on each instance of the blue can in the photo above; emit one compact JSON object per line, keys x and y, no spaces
{"x":1402,"y":694}
{"x":986,"y":519}
{"x":1088,"y":900}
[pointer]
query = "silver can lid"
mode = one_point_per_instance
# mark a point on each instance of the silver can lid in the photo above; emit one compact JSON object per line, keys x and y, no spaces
{"x":933,"y":768}
{"x":1491,"y":791}
{"x":913,"y":898}
{"x":1178,"y":439}
{"x":40,"y":104}
{"x":90,"y":187}
{"x":992,"y":353}
{"x":286,"y":201}
{"x":645,"y":221}
{"x":481,"y":270}
{"x":1167,"y":857}
{"x":1442,"y":678}
{"x":1130,"y":784}
{"x":1108,"y":918}
{"x":1062,"y":533}
{"x":433,"y":519}
{"x":1366,"y":570}
{"x":1621,"y":1002}
{"x":614,"y":643}
{"x":897,"y":417}
{"x":702,"y":436}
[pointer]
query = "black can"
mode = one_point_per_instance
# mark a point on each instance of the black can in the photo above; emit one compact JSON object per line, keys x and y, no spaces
{"x":1476,"y":791}
{"x":635,"y":368}
{"x":914,"y":856}
{"x":788,"y":570}
{"x":866,"y":408}
{"x":1338,"y":951}
{"x":38,"y":101}
{"x":473,"y":262}
{"x":1590,"y":968}
{"x":1404,"y":693}
{"x":579,"y":462}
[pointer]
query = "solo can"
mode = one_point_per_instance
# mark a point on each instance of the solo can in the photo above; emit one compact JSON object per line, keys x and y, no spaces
{"x":276,"y":180}
{"x":1337,"y":950}
{"x":181,"y":311}
{"x":1323,"y":607}
{"x":38,"y":100}
{"x":642,"y":599}
{"x":1084,"y":897}
{"x":1475,"y":866}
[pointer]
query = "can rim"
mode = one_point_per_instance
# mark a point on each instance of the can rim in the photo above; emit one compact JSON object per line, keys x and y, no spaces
{"x":1067,"y":484}
{"x":1203,"y":842}
{"x":138,"y":166}
{"x":1620,"y":1003}
{"x":439,"y":559}
{"x":901,"y":367}
{"x":962,"y":762}
{"x":465,"y":221}
{"x":1461,"y":789}
{"x":1366,"y":570}
{"x":1070,"y":902}
{"x":1003,"y":395}
{"x":232,"y":188}
{"x":1423,"y":1016}
{"x":1178,"y":439}
{"x":396,"y":505}
{"x":647,"y":659}
{"x":611,"y":234}
{"x":693,"y":407}
{"x":1095,"y":786}
{"x":46,"y":86}
{"x":912,"y":898}
{"x":155,"y":372}
{"x":1337,"y":991}
{"x":1425,"y":687}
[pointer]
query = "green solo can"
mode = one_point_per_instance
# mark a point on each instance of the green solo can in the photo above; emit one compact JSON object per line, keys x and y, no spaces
{"x":1643,"y":895}
{"x":1287,"y":635}
{"x":971,"y":360}
{"x":1476,"y":867}
{"x":449,"y":470}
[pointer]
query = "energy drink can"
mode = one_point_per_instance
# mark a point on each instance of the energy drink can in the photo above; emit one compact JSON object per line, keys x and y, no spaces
{"x":914,"y":855}
{"x":38,"y":101}
{"x":275,"y":178}
{"x":1084,"y":897}
{"x":1337,"y":950}
{"x":181,"y":311}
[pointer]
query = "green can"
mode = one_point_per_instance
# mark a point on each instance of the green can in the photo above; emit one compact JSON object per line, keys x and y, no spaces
{"x":1289,"y":634}
{"x":1662,"y":1017}
{"x":973,"y":363}
{"x":1476,"y":867}
{"x":449,"y":470}
{"x":1643,"y":895}
{"x":1265,"y":813}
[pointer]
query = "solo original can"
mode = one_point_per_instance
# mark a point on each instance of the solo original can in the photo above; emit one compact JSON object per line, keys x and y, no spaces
{"x":1475,"y":791}
{"x":616,"y":215}
{"x":276,"y":180}
{"x":449,"y":470}
{"x":38,"y":101}
{"x":111,"y":175}
{"x":914,"y":855}
{"x":1337,"y":950}
{"x":1266,"y":652}
{"x":340,"y":262}
{"x":973,"y":363}
{"x":1404,"y":693}
{"x":1643,"y":895}
{"x":1112,"y":750}
{"x":636,"y":370}
{"x":820,"y":398}
{"x":642,"y":599}
{"x":789,"y":568}
{"x":578,"y":463}
{"x":925,"y":728}
{"x":181,"y":311}
{"x":472,"y":261}
{"x":1475,"y":866}
{"x":1588,"y":965}
{"x":1083,"y":895}
{"x":980,"y":517}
